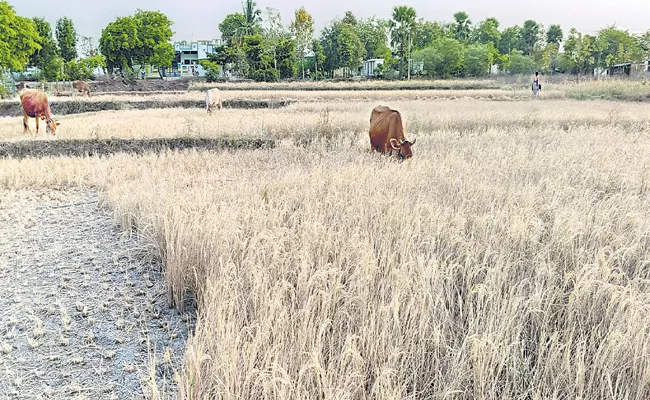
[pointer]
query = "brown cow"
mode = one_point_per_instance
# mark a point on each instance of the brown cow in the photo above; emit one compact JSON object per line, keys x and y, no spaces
{"x":35,"y":105}
{"x":81,"y":87}
{"x":212,"y":100}
{"x":387,"y":133}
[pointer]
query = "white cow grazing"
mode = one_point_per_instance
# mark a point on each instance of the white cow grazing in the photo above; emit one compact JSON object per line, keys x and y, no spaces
{"x":212,"y":100}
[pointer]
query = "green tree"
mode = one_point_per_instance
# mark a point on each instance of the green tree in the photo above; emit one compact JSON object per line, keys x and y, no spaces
{"x":259,"y":60}
{"x":488,"y":32}
{"x":618,"y":46}
{"x":66,"y":37}
{"x":463,"y":26}
{"x":373,"y":34}
{"x":510,"y":40}
{"x":341,"y":46}
{"x":349,"y":47}
{"x":154,"y":36}
{"x":252,"y":17}
{"x":211,"y":70}
{"x":402,"y":30}
{"x":46,"y":58}
{"x":232,"y":27}
{"x":302,"y":29}
{"x":273,"y":32}
{"x":19,"y":38}
{"x":554,"y":34}
{"x":119,"y":43}
{"x":84,"y":68}
{"x":426,"y":33}
{"x":530,"y":35}
{"x":577,"y":56}
{"x":286,"y":54}
{"x":350,"y":19}
{"x":143,"y":38}
{"x":319,"y":56}
{"x":547,"y":58}
{"x":443,"y":59}
{"x":644,"y":42}
{"x":223,"y":55}
{"x":521,"y":64}
{"x":478,"y":59}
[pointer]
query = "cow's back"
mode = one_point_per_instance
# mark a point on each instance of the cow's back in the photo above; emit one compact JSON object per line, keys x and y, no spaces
{"x":213,"y":96}
{"x":385,"y":123}
{"x":81,"y":86}
{"x":34,"y":102}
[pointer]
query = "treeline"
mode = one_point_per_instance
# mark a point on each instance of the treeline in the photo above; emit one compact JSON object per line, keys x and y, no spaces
{"x":33,"y":42}
{"x":60,"y":54}
{"x":260,"y":46}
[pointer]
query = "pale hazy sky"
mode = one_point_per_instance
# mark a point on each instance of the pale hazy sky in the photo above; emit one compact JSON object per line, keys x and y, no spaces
{"x":195,"y":19}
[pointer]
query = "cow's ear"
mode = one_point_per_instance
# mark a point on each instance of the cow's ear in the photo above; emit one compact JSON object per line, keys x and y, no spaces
{"x":394,"y":143}
{"x":58,"y":123}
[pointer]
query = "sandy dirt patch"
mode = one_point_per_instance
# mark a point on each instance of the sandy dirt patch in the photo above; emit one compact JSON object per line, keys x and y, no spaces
{"x":83,"y":312}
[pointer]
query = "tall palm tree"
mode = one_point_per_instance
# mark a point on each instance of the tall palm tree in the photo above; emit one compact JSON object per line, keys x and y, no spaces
{"x":463,"y":24}
{"x":402,"y":27}
{"x":252,"y":16}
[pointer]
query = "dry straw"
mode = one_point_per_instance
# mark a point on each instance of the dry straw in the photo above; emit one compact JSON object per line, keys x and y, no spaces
{"x":507,"y":259}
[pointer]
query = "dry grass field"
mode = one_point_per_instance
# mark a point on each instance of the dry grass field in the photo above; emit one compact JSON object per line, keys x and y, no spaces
{"x":509,"y":259}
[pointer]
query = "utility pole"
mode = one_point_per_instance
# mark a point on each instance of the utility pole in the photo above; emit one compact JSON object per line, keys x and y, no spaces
{"x":408,"y":63}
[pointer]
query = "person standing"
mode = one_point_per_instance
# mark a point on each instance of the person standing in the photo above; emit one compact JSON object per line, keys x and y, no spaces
{"x":536,"y":85}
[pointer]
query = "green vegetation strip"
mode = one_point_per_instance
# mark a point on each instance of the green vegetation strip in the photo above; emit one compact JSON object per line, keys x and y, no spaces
{"x":102,"y":147}
{"x":13,"y":109}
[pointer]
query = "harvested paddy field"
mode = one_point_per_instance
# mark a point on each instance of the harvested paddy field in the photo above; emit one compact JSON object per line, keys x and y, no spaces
{"x":507,"y":259}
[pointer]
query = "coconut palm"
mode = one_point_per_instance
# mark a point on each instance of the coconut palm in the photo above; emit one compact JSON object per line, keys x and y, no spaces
{"x":402,"y":28}
{"x":252,"y":16}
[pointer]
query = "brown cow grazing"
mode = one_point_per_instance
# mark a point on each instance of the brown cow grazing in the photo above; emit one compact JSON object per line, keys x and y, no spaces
{"x":81,"y":87}
{"x":387,"y":133}
{"x":35,"y":105}
{"x":212,"y":100}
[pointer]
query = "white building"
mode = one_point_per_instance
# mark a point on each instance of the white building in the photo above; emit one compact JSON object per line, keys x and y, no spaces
{"x":370,"y":66}
{"x":186,"y":60}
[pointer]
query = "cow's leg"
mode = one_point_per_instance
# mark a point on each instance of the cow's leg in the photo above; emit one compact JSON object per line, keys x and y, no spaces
{"x":220,"y":105}
{"x":36,"y":124}
{"x":26,"y":124}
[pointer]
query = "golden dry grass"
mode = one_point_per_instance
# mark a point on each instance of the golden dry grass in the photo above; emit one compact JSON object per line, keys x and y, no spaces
{"x":344,"y":121}
{"x":507,"y":259}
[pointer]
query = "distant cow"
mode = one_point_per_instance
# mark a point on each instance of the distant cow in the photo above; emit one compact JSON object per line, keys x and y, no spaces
{"x":35,"y":105}
{"x":81,"y":87}
{"x":387,"y":133}
{"x":212,"y":100}
{"x":21,"y":86}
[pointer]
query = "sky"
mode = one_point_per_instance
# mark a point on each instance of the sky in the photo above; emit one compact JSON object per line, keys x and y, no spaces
{"x":195,"y":19}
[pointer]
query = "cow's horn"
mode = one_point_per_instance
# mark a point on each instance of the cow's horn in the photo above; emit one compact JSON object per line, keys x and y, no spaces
{"x":413,"y":142}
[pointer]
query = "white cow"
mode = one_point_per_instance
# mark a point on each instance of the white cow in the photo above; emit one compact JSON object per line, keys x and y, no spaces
{"x":212,"y":100}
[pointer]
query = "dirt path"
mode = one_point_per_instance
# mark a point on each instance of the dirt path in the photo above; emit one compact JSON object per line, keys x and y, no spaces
{"x":82,"y":306}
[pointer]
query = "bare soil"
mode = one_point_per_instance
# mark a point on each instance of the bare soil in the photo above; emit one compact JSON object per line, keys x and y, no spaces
{"x":83,"y":312}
